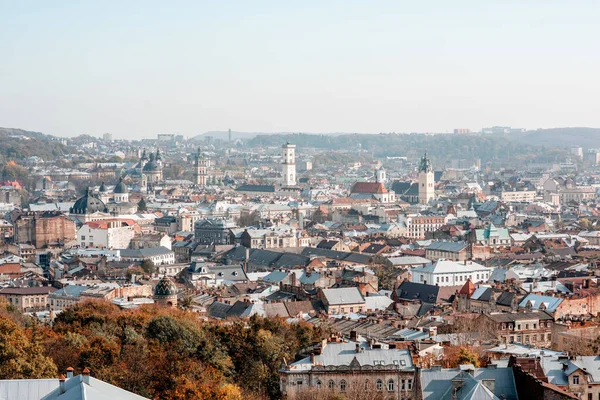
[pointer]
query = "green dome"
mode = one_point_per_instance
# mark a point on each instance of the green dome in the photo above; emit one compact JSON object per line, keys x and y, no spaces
{"x":165,"y":288}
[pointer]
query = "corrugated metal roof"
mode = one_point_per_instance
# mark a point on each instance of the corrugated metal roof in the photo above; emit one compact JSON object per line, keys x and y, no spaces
{"x":26,"y":389}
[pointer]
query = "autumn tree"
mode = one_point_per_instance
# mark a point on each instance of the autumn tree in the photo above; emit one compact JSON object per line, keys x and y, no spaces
{"x":20,"y":356}
{"x":467,"y":356}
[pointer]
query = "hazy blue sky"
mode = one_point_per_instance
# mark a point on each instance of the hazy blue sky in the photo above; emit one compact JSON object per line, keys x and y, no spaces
{"x":137,"y":68}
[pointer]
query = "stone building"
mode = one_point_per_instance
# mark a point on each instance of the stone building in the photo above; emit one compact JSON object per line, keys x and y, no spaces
{"x":530,"y":328}
{"x":43,"y":228}
{"x":352,"y":368}
{"x":89,"y":208}
{"x":28,"y":299}
{"x":213,"y":231}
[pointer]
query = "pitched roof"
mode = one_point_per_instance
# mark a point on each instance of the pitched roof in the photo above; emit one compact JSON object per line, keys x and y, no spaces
{"x":342,"y":296}
{"x":467,"y":289}
{"x":436,"y":383}
{"x":369,"y":187}
{"x":535,"y":301}
{"x":417,"y":291}
{"x":453,"y":247}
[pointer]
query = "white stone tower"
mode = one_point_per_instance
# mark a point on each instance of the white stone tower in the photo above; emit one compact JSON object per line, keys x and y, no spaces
{"x":288,"y":171}
{"x":381,"y":176}
{"x":201,"y":165}
{"x":426,"y":181}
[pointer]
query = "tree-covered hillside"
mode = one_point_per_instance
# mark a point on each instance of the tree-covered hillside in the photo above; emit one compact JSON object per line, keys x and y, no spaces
{"x":442,"y":147}
{"x":17,"y":144}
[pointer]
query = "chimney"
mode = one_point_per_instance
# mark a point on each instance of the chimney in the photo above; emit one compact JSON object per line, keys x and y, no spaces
{"x":86,"y":376}
{"x":357,"y":348}
{"x":61,"y":384}
{"x":69,"y":372}
{"x":353,"y":336}
{"x":489,"y":383}
{"x":456,"y":385}
{"x":312,"y":358}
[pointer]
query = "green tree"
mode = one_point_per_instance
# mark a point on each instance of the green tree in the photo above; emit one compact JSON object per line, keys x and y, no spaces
{"x":148,"y":267}
{"x":142,"y":205}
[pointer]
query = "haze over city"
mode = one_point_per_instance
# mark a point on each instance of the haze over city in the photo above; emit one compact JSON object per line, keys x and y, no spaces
{"x":138,"y":68}
{"x":313,"y":200}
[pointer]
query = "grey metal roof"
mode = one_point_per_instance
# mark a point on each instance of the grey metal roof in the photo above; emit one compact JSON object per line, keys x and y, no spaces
{"x":534,"y":301}
{"x":343,"y":296}
{"x":143,"y":253}
{"x":291,"y":260}
{"x":453,"y":247}
{"x":256,"y":188}
{"x":436,"y":383}
{"x":77,"y":389}
{"x":338,"y":354}
{"x":275,"y":277}
{"x":26,"y":389}
{"x":218,"y":310}
{"x":553,"y":368}
{"x":418,"y":291}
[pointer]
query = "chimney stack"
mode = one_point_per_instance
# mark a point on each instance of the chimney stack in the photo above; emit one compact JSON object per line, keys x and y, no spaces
{"x":69,"y":372}
{"x":86,"y":376}
{"x":357,"y":348}
{"x":61,"y":384}
{"x":312,"y":358}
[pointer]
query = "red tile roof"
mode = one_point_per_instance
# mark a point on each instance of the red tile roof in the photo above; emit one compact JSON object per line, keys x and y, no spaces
{"x":369,"y":187}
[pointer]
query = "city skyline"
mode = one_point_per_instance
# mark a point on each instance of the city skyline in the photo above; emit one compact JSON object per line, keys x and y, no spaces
{"x":142,"y":68}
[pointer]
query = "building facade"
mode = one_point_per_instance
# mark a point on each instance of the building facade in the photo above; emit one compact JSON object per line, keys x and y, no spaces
{"x":213,"y":231}
{"x":352,"y":368}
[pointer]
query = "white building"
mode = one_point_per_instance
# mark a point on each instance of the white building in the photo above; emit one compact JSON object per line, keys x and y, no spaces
{"x":107,"y":234}
{"x":288,"y":171}
{"x":158,"y":255}
{"x":450,"y":273}
{"x":524,"y":196}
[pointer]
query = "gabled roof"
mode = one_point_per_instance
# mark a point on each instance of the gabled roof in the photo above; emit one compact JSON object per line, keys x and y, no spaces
{"x":467,"y":289}
{"x":369,"y":188}
{"x":417,"y":291}
{"x":539,"y":302}
{"x":436,"y":383}
{"x":77,"y":389}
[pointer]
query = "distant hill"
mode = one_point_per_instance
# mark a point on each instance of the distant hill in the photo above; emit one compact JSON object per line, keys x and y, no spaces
{"x":224,"y":135}
{"x":443,"y":148}
{"x":17,"y":144}
{"x":561,"y":137}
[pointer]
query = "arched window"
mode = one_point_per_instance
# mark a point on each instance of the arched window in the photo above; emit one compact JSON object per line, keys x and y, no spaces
{"x":318,"y":383}
{"x":391,"y":385}
{"x":379,"y":385}
{"x":367,"y":385}
{"x":343,"y":385}
{"x":331,"y":384}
